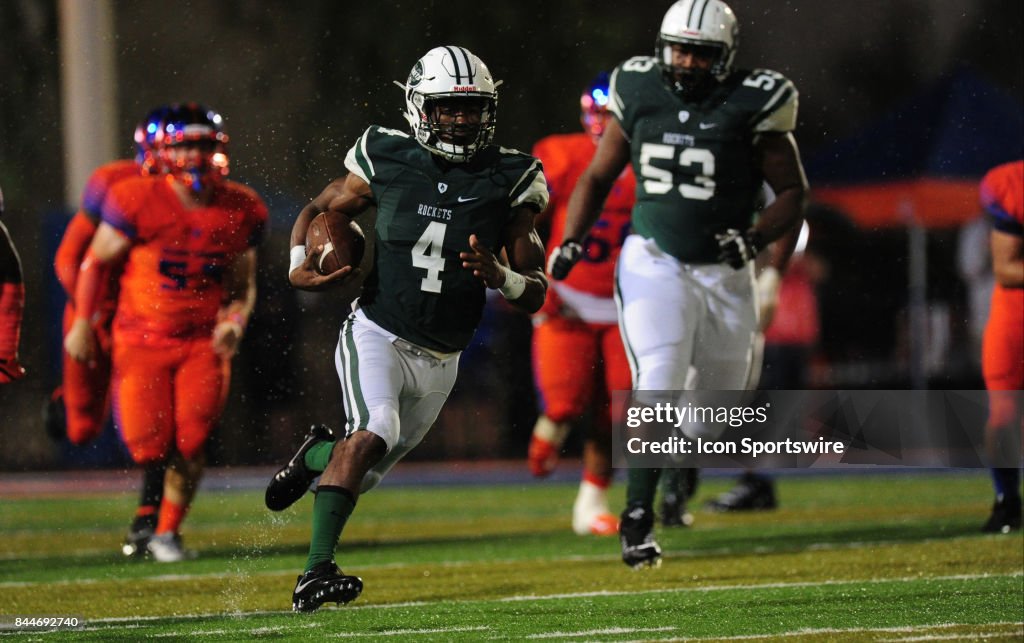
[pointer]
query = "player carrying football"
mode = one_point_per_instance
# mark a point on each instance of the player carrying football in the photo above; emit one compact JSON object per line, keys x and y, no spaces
{"x":188,"y":239}
{"x":702,"y":137}
{"x":448,"y":203}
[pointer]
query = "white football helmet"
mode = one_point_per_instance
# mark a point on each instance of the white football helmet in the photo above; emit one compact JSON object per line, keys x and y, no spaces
{"x":449,"y":72}
{"x":705,"y":23}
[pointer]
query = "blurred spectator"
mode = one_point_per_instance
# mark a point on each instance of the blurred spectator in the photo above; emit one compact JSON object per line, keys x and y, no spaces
{"x":791,"y":335}
{"x":974,"y":265}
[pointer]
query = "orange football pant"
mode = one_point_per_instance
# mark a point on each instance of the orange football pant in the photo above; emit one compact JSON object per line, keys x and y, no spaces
{"x":168,"y":396}
{"x":86,"y":387}
{"x":1002,"y":354}
{"x":577,"y":365}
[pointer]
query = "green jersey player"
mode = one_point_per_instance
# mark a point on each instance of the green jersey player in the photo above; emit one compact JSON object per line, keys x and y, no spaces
{"x":703,"y":139}
{"x":448,"y":203}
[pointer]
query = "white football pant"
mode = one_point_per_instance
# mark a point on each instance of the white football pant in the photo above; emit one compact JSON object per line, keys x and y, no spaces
{"x":685,"y":326}
{"x":391,"y":388}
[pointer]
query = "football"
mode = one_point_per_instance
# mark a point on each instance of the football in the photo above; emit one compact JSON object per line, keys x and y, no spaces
{"x":342,"y":239}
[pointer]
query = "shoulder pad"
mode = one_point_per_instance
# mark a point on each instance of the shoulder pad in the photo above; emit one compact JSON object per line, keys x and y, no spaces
{"x":771,"y":98}
{"x":530,"y":188}
{"x":376,"y":141}
{"x":630,"y":82}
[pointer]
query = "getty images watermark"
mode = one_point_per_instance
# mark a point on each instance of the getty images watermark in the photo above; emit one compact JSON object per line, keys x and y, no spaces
{"x":796,"y":429}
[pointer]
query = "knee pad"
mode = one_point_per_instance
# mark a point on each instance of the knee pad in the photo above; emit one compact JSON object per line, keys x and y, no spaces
{"x":370,"y":480}
{"x":384,"y":422}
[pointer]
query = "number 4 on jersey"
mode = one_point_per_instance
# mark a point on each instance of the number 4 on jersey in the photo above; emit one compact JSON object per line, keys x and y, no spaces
{"x":426,"y":254}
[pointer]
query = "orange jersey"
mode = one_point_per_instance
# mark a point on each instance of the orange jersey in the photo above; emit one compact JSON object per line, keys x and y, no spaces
{"x":172,"y":285}
{"x":79,"y":232}
{"x":1002,"y":196}
{"x":565,"y":157}
{"x":100,"y":182}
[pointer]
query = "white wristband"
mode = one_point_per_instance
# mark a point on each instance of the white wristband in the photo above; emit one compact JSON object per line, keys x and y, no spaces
{"x":296,"y":257}
{"x":768,"y":283}
{"x":515,"y":284}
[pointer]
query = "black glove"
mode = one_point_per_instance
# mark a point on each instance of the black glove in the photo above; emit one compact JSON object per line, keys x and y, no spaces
{"x":737,"y":248}
{"x":564,"y":258}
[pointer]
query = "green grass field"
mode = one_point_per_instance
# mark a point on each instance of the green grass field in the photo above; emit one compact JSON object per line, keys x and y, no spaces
{"x":861,"y":557}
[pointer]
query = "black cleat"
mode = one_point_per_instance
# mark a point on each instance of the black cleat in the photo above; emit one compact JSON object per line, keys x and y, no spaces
{"x":753,"y":492}
{"x":674,"y":512}
{"x":324,"y":584}
{"x":139,"y":534}
{"x":636,"y":532}
{"x":1006,"y":516}
{"x":293,"y":480}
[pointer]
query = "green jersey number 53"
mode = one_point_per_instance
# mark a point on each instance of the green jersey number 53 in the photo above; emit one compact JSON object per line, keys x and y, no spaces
{"x":659,"y":181}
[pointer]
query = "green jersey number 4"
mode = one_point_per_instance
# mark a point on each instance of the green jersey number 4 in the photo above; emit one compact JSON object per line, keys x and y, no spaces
{"x":426,"y":254}
{"x":659,"y":181}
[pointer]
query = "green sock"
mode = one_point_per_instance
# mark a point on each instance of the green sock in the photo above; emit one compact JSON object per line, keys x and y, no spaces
{"x":640,"y":487}
{"x":331,"y":510}
{"x":319,"y":455}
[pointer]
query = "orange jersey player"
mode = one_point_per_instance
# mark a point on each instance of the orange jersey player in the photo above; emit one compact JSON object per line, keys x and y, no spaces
{"x":79,"y":406}
{"x":188,"y":286}
{"x":1002,"y":357}
{"x":12,"y":305}
{"x":85,"y":387}
{"x":578,"y":356}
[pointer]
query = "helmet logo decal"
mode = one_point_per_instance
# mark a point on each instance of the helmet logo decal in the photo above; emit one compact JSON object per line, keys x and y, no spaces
{"x":684,"y":116}
{"x":445,"y":73}
{"x":416,"y":75}
{"x":698,"y":14}
{"x":442,"y":187}
{"x":459,"y":64}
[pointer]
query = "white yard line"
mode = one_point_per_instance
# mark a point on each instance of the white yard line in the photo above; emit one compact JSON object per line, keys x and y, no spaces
{"x":903,"y":629}
{"x":412,"y":632}
{"x":604,"y":593}
{"x":599,"y":632}
{"x":913,"y":633}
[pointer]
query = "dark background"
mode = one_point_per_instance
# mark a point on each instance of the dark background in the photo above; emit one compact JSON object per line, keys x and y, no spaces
{"x":298,"y":81}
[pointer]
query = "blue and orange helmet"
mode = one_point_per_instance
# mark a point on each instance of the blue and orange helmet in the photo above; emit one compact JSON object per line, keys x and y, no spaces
{"x":197,"y":127}
{"x":148,"y":135}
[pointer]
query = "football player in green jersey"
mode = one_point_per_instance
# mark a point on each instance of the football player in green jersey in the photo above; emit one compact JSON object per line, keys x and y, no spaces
{"x":449,"y":203}
{"x":703,"y":138}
